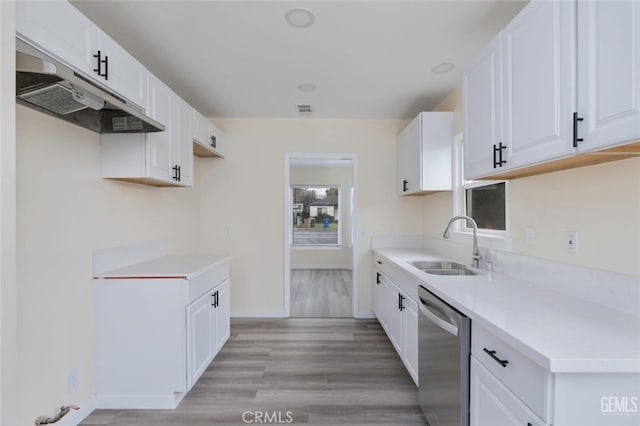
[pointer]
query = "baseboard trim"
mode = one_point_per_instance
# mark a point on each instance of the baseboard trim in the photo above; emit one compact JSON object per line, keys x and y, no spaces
{"x":312,"y":266}
{"x":73,"y":418}
{"x":364,"y":315}
{"x":241,"y":313}
{"x":140,"y":401}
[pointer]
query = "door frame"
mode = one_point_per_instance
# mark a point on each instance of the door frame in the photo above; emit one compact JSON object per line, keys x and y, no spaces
{"x":288,"y":156}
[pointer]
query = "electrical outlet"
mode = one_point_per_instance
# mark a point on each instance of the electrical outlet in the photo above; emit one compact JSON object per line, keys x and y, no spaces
{"x":530,"y":236}
{"x":72,"y":381}
{"x":571,"y":242}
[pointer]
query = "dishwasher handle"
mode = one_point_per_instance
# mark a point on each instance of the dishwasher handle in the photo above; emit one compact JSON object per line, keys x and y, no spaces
{"x":446,"y":326}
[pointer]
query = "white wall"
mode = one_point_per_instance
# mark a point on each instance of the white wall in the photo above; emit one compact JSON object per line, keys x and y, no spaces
{"x":601,"y":202}
{"x":8,"y":308}
{"x":254,"y":165}
{"x":337,"y":175}
{"x":65,"y":212}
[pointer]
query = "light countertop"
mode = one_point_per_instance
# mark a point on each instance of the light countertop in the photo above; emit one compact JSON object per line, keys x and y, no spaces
{"x":561,"y":333}
{"x":187,"y":267}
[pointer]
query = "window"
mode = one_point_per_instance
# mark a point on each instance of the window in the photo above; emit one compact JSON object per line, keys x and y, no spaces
{"x":487,"y":202}
{"x":316,"y":216}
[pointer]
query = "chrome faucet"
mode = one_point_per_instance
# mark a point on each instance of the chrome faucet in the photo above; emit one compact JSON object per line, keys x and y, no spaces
{"x":476,"y":253}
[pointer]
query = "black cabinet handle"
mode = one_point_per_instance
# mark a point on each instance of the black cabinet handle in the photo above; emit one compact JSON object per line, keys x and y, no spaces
{"x":100,"y":61}
{"x":106,"y":68}
{"x":400,"y":304}
{"x":213,"y":141}
{"x":576,"y":139}
{"x":492,"y":354}
{"x":179,"y":173}
{"x":98,"y":57}
{"x":405,"y":185}
{"x":377,"y":277}
{"x":217,"y":299}
{"x":497,"y":155}
{"x":175,"y":172}
{"x":213,"y":296}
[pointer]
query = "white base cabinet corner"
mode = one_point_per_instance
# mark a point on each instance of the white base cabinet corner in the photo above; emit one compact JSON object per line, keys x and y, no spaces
{"x":156,"y":336}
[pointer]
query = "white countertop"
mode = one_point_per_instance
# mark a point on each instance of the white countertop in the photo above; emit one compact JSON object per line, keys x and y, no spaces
{"x":561,"y":333}
{"x":187,"y":267}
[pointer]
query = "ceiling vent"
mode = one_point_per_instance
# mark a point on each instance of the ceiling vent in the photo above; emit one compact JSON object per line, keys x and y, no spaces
{"x":304,"y":109}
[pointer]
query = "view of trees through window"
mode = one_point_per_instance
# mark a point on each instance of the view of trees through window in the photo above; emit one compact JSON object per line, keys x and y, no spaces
{"x":316,"y":215}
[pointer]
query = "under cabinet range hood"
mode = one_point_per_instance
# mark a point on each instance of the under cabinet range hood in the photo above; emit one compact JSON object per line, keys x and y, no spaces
{"x":53,"y":88}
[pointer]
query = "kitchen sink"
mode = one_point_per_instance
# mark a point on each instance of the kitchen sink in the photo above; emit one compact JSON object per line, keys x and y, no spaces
{"x":442,"y":268}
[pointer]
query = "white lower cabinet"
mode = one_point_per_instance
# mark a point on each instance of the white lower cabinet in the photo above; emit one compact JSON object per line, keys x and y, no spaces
{"x":208,"y":329}
{"x":156,"y":336}
{"x":492,"y":404}
{"x":398,"y":315}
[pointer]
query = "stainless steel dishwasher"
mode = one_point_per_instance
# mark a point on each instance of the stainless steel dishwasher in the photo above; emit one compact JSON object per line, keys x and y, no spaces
{"x":443,"y":368}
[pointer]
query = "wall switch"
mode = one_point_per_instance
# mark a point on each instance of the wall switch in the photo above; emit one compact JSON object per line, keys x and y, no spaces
{"x":72,"y":381}
{"x":571,"y":242}
{"x":530,"y":236}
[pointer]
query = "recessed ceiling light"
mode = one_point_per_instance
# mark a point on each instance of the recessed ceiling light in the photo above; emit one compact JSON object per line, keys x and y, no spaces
{"x":300,"y":17}
{"x":442,"y":68}
{"x":307,"y":87}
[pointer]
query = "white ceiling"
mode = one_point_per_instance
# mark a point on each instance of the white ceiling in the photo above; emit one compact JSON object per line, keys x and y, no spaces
{"x":241,"y":59}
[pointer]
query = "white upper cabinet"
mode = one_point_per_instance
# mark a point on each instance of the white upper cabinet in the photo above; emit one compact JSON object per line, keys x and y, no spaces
{"x":569,"y":83}
{"x":182,"y":143}
{"x":424,"y":154}
{"x":208,"y":140}
{"x":159,"y":144}
{"x":482,"y":110}
{"x":62,"y":31}
{"x":159,"y":158}
{"x":122,"y":72}
{"x":519,"y":96}
{"x":608,"y":73}
{"x":538,"y":60}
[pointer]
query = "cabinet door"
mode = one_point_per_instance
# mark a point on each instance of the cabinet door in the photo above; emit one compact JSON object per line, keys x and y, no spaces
{"x":482,"y":100}
{"x":183,"y":141}
{"x":159,"y":144}
{"x":124,"y":75}
{"x":395,"y":319}
{"x":493,"y":404}
{"x":408,"y":157}
{"x":222,"y":313}
{"x":411,"y":338}
{"x":378,"y":298}
{"x":608,"y":73}
{"x":200,"y":331}
{"x":61,"y":30}
{"x":539,"y":83}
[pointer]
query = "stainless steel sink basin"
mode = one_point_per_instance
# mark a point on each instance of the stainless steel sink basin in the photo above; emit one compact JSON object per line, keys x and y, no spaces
{"x":442,"y":268}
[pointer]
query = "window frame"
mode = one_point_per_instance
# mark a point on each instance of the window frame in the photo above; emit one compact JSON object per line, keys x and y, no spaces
{"x":338,"y":245}
{"x":495,"y":239}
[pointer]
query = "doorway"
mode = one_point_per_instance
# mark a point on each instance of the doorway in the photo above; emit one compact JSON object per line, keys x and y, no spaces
{"x":319,"y":248}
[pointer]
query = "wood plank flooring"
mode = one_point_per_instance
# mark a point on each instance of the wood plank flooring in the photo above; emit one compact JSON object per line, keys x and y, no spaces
{"x":320,"y":371}
{"x":321,"y":293}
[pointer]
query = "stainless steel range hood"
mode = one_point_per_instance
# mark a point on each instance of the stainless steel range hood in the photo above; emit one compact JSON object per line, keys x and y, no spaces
{"x":49,"y":86}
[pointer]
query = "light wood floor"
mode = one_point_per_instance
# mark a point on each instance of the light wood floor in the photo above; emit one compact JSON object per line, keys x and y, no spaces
{"x":324,"y":371}
{"x":321,"y":293}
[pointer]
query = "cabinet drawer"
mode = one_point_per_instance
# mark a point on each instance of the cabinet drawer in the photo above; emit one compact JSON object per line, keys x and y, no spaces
{"x":526,"y":379}
{"x":207,"y":281}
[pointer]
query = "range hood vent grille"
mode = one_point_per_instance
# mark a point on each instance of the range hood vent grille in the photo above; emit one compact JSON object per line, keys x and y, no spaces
{"x":55,"y":98}
{"x":305,"y":109}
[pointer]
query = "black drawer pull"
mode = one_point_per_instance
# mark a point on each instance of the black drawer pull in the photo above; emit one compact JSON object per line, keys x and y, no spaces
{"x":405,"y":185}
{"x":379,"y":263}
{"x":377,"y":277}
{"x":492,"y":354}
